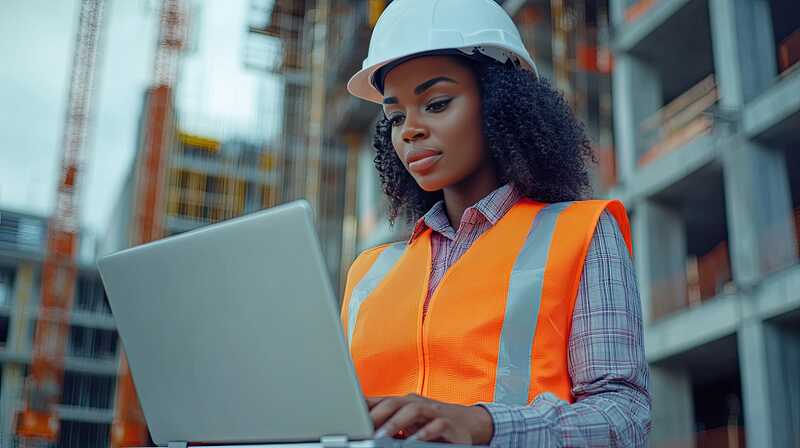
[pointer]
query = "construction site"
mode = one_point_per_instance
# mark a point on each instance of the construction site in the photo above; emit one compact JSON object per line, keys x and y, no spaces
{"x":693,"y":111}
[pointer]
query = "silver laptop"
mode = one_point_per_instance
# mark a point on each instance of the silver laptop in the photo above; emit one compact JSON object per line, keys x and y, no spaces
{"x":233,"y":335}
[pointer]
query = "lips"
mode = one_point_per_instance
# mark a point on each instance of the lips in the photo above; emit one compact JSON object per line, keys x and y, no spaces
{"x":422,"y":160}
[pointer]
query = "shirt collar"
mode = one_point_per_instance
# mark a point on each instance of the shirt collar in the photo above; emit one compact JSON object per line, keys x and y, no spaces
{"x":492,"y":207}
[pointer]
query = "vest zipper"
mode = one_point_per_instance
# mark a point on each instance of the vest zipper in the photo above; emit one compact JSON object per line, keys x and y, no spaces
{"x":427,"y":303}
{"x":425,"y":308}
{"x":423,"y":370}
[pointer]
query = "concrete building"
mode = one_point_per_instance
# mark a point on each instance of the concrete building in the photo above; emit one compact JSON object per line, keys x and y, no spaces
{"x":91,"y":358}
{"x":209,"y":181}
{"x":707,"y":128}
{"x":199,"y":181}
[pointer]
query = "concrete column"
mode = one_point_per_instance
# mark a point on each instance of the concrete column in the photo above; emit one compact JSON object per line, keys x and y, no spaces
{"x":673,"y":410}
{"x":616,"y":11}
{"x":744,"y":51}
{"x":758,"y":197}
{"x":18,"y":331}
{"x":12,"y":388}
{"x":660,"y":246}
{"x":641,"y":249}
{"x":759,"y":394}
{"x":759,"y":211}
{"x":789,"y":353}
{"x":637,"y":94}
{"x":782,"y":348}
{"x":252,"y":196}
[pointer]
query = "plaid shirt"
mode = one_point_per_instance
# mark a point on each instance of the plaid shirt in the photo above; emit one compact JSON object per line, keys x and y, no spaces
{"x":606,"y":349}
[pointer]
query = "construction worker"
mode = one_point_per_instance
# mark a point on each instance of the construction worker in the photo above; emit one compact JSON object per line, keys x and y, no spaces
{"x":511,"y":316}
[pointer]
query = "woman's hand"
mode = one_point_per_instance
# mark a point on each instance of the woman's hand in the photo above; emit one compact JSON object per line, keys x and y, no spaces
{"x":420,"y":418}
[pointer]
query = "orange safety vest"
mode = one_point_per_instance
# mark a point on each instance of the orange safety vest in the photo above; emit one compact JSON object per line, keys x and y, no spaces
{"x":497,"y":326}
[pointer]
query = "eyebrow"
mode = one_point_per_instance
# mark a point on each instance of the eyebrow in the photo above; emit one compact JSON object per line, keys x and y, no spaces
{"x":421,"y":88}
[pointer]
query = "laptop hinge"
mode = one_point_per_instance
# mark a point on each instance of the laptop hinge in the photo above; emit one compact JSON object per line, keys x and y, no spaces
{"x":177,"y":445}
{"x":334,"y":442}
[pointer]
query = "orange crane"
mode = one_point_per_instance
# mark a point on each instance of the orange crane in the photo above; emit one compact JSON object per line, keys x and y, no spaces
{"x":129,"y":427}
{"x":38,"y":418}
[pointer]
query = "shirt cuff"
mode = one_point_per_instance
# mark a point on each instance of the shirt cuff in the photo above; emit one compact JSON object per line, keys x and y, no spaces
{"x":504,"y":420}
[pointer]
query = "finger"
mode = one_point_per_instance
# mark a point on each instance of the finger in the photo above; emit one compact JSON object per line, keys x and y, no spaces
{"x":405,"y":432}
{"x":373,"y":401}
{"x":383,"y":410}
{"x":434,"y":430}
{"x":408,"y":418}
{"x":440,"y":430}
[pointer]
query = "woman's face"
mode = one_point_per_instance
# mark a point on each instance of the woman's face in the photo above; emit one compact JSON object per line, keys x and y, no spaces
{"x":434,"y":106}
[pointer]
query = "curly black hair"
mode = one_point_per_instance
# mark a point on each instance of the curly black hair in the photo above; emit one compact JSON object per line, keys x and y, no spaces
{"x":532,"y":135}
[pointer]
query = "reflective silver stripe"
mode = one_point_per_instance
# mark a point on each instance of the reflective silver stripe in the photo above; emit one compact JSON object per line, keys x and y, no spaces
{"x":386,"y":260}
{"x":522,"y":310}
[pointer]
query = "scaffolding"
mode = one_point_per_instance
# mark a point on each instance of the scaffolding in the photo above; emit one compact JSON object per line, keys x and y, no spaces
{"x":210,"y":181}
{"x":579,"y":49}
{"x":282,"y":36}
{"x":305,"y":35}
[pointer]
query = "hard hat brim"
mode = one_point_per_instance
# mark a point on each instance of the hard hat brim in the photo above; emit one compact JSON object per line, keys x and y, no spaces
{"x":362,"y":84}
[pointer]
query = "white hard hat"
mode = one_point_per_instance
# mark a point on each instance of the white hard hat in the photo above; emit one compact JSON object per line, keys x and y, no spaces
{"x":409,"y":28}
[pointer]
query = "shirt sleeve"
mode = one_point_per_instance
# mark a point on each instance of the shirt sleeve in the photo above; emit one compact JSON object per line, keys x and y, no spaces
{"x":607,"y":364}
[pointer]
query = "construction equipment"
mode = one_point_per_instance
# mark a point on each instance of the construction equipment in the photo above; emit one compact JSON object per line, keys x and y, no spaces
{"x":129,"y":427}
{"x":42,"y":391}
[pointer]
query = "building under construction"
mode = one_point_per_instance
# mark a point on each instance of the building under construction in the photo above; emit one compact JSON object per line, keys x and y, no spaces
{"x":693,"y":110}
{"x":707,"y":128}
{"x":210,"y":181}
{"x":698,"y":139}
{"x":90,"y":365}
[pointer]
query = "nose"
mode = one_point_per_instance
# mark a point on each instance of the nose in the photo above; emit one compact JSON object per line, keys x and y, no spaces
{"x":413,"y":130}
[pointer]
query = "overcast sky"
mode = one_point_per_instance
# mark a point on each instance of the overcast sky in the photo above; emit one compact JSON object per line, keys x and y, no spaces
{"x":216,"y":96}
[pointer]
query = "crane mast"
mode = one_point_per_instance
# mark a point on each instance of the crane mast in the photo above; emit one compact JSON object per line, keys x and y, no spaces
{"x":38,"y":419}
{"x":129,"y":427}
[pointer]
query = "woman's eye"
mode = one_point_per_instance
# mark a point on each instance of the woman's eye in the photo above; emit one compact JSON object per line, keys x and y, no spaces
{"x":396,"y":120}
{"x":438,"y":106}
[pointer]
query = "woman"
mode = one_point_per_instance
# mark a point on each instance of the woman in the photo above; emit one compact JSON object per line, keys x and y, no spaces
{"x":511,"y":317}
